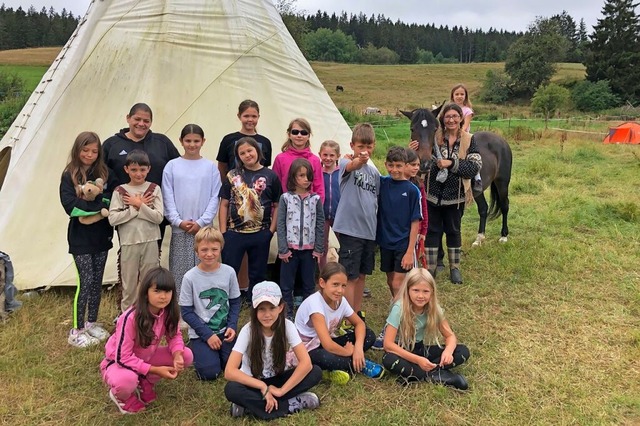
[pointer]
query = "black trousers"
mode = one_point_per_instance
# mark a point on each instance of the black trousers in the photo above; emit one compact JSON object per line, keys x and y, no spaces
{"x":444,"y":220}
{"x":251,"y":398}
{"x":404,"y":368}
{"x":328,"y":361}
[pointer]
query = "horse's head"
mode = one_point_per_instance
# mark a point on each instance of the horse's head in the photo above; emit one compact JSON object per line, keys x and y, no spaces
{"x":423,"y":129}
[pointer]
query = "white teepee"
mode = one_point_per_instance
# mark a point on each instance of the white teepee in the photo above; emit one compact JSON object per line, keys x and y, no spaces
{"x":192,"y":61}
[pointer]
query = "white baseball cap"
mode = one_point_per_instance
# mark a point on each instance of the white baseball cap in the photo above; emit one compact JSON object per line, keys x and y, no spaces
{"x":266,"y":291}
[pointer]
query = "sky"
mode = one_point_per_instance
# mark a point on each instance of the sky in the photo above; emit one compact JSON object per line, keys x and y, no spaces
{"x":514,"y":15}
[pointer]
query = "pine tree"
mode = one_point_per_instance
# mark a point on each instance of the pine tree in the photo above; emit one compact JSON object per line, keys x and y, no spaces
{"x":614,"y":50}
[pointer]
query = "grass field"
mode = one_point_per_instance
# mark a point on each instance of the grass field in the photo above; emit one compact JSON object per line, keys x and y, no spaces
{"x":552,"y":318}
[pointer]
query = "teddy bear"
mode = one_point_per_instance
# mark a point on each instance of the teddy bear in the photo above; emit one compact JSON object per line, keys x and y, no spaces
{"x":90,"y":191}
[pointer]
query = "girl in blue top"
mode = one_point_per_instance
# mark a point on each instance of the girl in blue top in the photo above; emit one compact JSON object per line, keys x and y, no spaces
{"x":190,"y":187}
{"x":329,"y":156}
{"x":416,"y":317}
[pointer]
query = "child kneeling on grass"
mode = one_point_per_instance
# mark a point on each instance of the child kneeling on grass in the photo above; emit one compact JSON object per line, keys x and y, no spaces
{"x":134,"y":361}
{"x":414,"y":317}
{"x":318,"y":319}
{"x":259,"y":381}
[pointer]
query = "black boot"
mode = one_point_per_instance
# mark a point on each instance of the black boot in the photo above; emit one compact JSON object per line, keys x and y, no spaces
{"x":447,"y":378}
{"x":455,"y":276}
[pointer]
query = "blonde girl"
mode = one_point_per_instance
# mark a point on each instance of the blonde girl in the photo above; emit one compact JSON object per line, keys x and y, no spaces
{"x":260,"y":381}
{"x":88,"y":244}
{"x":298,"y":145}
{"x":329,"y":156}
{"x":460,"y":96}
{"x":416,"y":318}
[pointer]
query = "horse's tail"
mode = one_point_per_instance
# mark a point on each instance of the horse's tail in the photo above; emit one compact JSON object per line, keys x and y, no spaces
{"x":494,"y":206}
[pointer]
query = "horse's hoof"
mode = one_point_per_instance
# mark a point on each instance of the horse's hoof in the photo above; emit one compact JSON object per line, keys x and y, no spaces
{"x":479,"y":240}
{"x":502,"y":240}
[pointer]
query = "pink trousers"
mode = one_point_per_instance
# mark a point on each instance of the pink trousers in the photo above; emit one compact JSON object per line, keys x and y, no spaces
{"x":123,"y":382}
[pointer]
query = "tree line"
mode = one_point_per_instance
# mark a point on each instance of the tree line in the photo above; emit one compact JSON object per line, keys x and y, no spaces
{"x":342,"y":37}
{"x":20,"y":29}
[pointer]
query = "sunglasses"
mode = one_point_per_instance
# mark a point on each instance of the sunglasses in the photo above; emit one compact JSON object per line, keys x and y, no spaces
{"x":296,"y":132}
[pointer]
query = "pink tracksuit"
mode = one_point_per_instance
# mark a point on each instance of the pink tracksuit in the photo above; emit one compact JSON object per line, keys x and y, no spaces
{"x":125,"y":362}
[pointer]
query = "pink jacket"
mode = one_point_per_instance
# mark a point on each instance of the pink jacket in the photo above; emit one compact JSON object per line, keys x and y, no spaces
{"x":122,"y":348}
{"x":282,"y":164}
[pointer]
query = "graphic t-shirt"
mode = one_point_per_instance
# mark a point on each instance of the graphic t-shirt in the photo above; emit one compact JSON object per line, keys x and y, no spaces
{"x":358,"y":208}
{"x":242,"y":346}
{"x":251,"y":196}
{"x":209,"y":294}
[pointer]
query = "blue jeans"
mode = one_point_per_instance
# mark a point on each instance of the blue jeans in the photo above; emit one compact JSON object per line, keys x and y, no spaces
{"x":209,"y":364}
{"x":300,"y":260}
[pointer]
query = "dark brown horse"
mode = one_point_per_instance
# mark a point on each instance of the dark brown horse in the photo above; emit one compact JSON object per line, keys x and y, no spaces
{"x":496,"y":166}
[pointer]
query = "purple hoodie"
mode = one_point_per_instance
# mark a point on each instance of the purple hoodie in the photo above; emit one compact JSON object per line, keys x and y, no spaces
{"x":282,"y":164}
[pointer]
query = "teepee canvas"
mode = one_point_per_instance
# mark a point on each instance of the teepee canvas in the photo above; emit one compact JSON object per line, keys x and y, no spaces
{"x":192,"y":61}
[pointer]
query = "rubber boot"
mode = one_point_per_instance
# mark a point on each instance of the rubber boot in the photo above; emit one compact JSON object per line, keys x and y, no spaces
{"x":454,"y":264}
{"x":447,"y":378}
{"x":440,"y":264}
{"x":432,"y":259}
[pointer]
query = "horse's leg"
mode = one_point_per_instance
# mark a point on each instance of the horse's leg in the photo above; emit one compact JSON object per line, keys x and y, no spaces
{"x":483,"y":209}
{"x":504,"y":208}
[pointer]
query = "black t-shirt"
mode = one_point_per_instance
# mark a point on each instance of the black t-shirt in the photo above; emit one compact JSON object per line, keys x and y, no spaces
{"x":251,"y":196}
{"x":228,"y":144}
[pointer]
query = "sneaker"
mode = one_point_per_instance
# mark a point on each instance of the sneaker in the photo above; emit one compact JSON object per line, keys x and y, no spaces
{"x":130,"y":406}
{"x":477,"y":186}
{"x":237,"y":410}
{"x":304,"y":401}
{"x":345,"y":327}
{"x":379,"y":343}
{"x":366,"y":292}
{"x":95,"y":330}
{"x":372,"y":370}
{"x":146,"y":392}
{"x":339,"y":377}
{"x":81,"y":339}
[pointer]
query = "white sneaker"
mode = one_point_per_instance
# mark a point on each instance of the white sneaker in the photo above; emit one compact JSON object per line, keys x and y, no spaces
{"x":304,"y":401}
{"x":80,"y":339}
{"x":95,"y":330}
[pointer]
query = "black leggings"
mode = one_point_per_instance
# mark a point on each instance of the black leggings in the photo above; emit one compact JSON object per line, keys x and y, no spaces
{"x":328,"y":361}
{"x":404,"y":368}
{"x":251,"y":398}
{"x":89,"y":291}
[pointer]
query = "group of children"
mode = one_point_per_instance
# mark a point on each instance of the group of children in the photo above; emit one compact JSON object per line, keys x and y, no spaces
{"x":271,"y":358}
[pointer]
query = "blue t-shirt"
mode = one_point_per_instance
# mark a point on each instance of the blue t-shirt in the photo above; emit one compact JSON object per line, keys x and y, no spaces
{"x":398,"y":207}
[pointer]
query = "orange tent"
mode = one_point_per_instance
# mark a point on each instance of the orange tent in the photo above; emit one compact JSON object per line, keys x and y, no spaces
{"x":628,"y":132}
